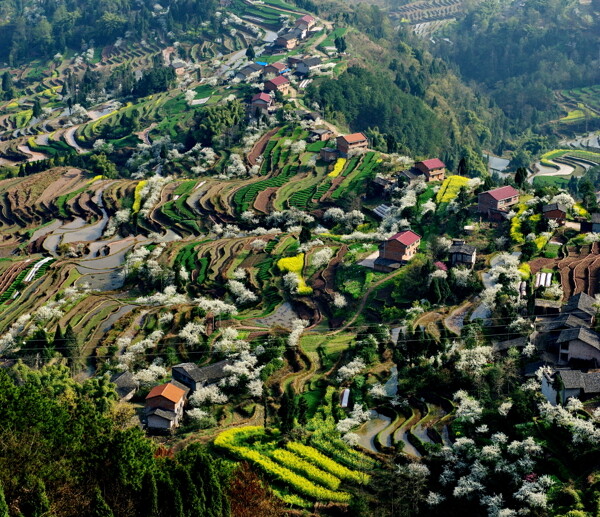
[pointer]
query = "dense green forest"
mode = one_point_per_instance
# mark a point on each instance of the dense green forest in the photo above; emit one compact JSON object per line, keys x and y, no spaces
{"x":366,"y":100}
{"x":520,"y":52}
{"x":29,"y":29}
{"x":67,"y":446}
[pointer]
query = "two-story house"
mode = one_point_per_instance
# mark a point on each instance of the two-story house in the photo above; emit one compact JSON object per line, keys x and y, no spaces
{"x":397,"y":250}
{"x":279,"y":83}
{"x":164,"y":406}
{"x":498,"y":201}
{"x":433,"y":169}
{"x":347,"y":143}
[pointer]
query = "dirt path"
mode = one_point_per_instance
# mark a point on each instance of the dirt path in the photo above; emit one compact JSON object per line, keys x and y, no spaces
{"x":455,"y":320}
{"x":70,"y":139}
{"x":143,"y":135}
{"x":33,"y":155}
{"x":363,"y":302}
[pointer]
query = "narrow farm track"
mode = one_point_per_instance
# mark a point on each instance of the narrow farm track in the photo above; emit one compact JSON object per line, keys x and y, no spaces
{"x":363,"y":302}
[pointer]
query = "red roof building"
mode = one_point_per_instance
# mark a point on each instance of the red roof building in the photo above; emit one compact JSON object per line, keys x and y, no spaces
{"x":275,"y":69}
{"x":305,"y":22}
{"x":397,"y":250}
{"x":433,"y":169}
{"x":497,"y":200}
{"x":261,"y":101}
{"x":347,"y":143}
{"x":164,"y":406}
{"x":278,"y":83}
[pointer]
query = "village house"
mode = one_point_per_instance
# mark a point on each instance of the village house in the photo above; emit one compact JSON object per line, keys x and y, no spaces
{"x":279,"y":84}
{"x":164,"y":406}
{"x":250,"y":71}
{"x":496,"y":203}
{"x":347,"y":143}
{"x":462,"y":254}
{"x":261,"y":102}
{"x":562,"y":384}
{"x":125,"y":385}
{"x":555,"y":212}
{"x":569,"y":338}
{"x":275,"y":69}
{"x":194,"y":377}
{"x":328,"y":154}
{"x":306,"y":66}
{"x":397,"y":250}
{"x":306,"y":22}
{"x":179,"y":66}
{"x":433,"y":170}
{"x":320,"y":135}
{"x":289,"y":40}
{"x":591,"y":226}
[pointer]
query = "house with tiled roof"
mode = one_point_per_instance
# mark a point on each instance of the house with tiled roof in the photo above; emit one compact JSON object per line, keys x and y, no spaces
{"x":347,"y":143}
{"x":249,"y":72}
{"x":275,"y":69}
{"x":164,"y":406}
{"x":397,"y":250}
{"x":262,"y":102}
{"x":194,"y":376}
{"x":308,"y":65}
{"x":306,"y":22}
{"x":279,"y":83}
{"x":562,"y":384}
{"x":462,"y":254}
{"x":497,"y":202}
{"x":433,"y":169}
{"x":556,"y":212}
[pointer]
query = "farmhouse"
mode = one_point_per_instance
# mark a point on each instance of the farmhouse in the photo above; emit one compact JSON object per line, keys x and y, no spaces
{"x":306,"y":66}
{"x":125,"y":385}
{"x":262,"y":102}
{"x":433,"y":170}
{"x":248,"y":72}
{"x":194,"y":377}
{"x":496,"y":202}
{"x":347,"y":143}
{"x":290,"y":39}
{"x":562,"y":384}
{"x":279,"y":84}
{"x":397,"y":250}
{"x":320,"y":135}
{"x":591,"y":226}
{"x":275,"y":69}
{"x":306,"y":22}
{"x":164,"y":406}
{"x":328,"y":154}
{"x":556,"y":212}
{"x":179,"y":66}
{"x":568,"y":338}
{"x":462,"y":254}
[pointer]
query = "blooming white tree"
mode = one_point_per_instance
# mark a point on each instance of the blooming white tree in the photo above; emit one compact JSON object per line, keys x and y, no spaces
{"x":351,"y":369}
{"x":468,"y":409}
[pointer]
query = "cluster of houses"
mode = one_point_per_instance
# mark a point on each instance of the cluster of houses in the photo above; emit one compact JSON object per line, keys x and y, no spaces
{"x":165,"y":403}
{"x":567,"y":340}
{"x":290,"y":39}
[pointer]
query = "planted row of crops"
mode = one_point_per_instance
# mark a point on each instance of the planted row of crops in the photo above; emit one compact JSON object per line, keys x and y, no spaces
{"x":355,"y":175}
{"x":18,"y":282}
{"x":177,"y":210}
{"x":244,"y":198}
{"x":189,"y":259}
{"x":301,"y":468}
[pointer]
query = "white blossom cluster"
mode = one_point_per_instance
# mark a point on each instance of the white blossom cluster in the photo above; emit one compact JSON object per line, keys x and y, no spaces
{"x":150,"y":193}
{"x":9,"y":338}
{"x":583,"y":431}
{"x":347,"y":219}
{"x":120,"y":217}
{"x":298,"y":326}
{"x":216,"y":307}
{"x":229,"y":342}
{"x":244,"y":366}
{"x":192,"y":333}
{"x":150,"y":376}
{"x":351,"y":369}
{"x":169,"y":296}
{"x":469,"y":409}
{"x":321,"y":257}
{"x":242,"y":294}
{"x":210,"y":394}
{"x":358,"y":415}
{"x":472,"y":360}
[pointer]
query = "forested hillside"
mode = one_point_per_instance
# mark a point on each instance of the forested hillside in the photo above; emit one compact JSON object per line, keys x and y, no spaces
{"x":521,"y":52}
{"x":42,"y":29}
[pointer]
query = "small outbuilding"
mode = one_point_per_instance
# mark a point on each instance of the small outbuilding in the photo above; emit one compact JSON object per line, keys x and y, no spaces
{"x":462,"y":254}
{"x":556,"y":212}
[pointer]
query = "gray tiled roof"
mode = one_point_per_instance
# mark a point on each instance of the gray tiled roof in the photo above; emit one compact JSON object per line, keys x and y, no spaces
{"x":209,"y":373}
{"x":571,"y":379}
{"x":583,"y":302}
{"x":585,"y":335}
{"x":554,"y":206}
{"x":167,"y":415}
